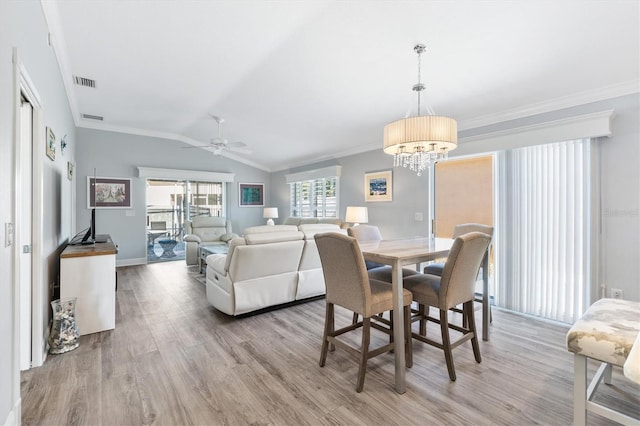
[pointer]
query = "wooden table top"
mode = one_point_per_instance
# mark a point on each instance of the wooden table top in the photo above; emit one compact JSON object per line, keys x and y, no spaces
{"x":96,"y":249}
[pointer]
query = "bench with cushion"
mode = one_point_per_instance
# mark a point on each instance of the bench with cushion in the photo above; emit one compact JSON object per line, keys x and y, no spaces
{"x":605,"y":333}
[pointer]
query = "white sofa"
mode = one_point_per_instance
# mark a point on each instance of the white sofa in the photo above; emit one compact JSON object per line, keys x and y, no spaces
{"x":205,"y":230}
{"x":297,"y":221}
{"x":269,"y":266}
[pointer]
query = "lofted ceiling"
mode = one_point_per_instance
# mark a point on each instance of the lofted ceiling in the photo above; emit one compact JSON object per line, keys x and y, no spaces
{"x":302,"y":81}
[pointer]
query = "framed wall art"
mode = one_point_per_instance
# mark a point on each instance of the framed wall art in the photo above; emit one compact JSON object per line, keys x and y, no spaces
{"x":378,"y":186}
{"x":105,"y":193}
{"x":51,"y":144}
{"x":251,"y":194}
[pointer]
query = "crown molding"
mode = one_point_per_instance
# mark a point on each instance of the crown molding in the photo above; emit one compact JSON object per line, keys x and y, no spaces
{"x":576,"y":99}
{"x":166,"y":135}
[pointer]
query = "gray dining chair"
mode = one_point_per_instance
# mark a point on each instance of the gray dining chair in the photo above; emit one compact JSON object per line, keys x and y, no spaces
{"x":376,"y":271}
{"x":348,"y":285}
{"x":436,"y":268}
{"x":456,"y":286}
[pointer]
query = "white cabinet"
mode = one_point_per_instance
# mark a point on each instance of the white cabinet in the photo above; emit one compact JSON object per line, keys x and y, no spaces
{"x":89,"y":273}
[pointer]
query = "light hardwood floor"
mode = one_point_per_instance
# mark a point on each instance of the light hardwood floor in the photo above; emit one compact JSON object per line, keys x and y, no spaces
{"x":173,"y":359}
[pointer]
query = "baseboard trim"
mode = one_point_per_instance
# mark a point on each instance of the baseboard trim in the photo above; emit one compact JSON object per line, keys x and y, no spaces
{"x":131,"y":262}
{"x":15,"y":415}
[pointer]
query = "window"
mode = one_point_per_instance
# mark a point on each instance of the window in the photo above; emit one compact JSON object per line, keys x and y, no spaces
{"x":314,"y":198}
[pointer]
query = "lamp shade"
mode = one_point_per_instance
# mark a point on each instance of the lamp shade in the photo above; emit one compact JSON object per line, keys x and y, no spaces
{"x":424,"y":133}
{"x":356,"y":214}
{"x":270,"y":213}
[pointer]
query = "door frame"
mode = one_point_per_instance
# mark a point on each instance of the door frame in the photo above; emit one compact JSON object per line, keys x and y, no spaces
{"x":24,"y":87}
{"x":498,"y":209}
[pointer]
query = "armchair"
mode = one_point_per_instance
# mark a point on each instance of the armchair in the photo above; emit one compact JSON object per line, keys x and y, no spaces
{"x":205,"y":230}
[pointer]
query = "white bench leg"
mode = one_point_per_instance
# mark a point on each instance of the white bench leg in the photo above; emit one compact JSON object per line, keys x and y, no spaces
{"x":579,"y":390}
{"x":606,"y":376}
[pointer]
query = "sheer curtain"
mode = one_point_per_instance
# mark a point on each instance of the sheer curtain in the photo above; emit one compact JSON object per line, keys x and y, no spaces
{"x":550,"y":246}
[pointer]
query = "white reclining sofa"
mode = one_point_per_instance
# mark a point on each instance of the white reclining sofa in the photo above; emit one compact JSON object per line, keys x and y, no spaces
{"x":205,"y":230}
{"x":269,"y":266}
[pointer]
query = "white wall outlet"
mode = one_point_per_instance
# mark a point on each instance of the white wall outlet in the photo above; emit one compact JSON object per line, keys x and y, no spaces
{"x":617,"y":293}
{"x":418,"y":216}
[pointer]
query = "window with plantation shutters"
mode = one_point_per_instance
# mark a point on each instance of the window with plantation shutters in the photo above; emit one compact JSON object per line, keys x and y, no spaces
{"x":314,"y":198}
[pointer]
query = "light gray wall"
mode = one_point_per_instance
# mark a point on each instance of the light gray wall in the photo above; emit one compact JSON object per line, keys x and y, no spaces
{"x":119,"y":155}
{"x":22,"y":25}
{"x":396,"y":218}
{"x":620,"y":180}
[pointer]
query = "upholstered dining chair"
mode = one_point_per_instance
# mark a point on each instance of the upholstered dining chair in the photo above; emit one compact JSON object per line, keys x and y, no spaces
{"x":436,"y":268}
{"x":377,"y":271}
{"x":349,"y":286}
{"x":456,"y":286}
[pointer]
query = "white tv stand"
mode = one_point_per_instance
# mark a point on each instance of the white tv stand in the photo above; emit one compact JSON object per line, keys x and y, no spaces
{"x":88,"y":272}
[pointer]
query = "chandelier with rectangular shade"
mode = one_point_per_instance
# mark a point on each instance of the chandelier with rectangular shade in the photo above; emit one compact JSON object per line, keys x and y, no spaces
{"x":416,"y":142}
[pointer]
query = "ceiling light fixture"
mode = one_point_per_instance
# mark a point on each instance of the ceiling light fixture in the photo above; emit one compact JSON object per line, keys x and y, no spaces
{"x":416,"y":142}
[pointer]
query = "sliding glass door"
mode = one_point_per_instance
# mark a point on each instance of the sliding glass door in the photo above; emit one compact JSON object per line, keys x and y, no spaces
{"x":170,"y":203}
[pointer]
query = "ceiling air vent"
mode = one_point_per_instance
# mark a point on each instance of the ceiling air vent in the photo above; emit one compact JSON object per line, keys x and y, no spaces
{"x":92,"y":117}
{"x":86,"y":82}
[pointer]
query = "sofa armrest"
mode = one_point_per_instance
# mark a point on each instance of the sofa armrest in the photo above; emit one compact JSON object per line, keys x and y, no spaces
{"x":192,"y":238}
{"x":217,"y":262}
{"x":228,"y":237}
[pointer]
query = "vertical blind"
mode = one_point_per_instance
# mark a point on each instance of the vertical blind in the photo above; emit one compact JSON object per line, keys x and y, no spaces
{"x":548,"y":230}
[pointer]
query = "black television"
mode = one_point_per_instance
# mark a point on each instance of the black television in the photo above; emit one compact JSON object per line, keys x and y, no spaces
{"x":87,"y":236}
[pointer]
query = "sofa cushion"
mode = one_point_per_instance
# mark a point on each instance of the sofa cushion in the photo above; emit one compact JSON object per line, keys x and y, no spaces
{"x":269,"y":228}
{"x":309,"y":230}
{"x":273,"y":237}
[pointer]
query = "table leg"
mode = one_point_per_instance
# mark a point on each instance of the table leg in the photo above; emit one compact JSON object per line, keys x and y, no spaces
{"x":398,"y":327}
{"x":485,"y":298}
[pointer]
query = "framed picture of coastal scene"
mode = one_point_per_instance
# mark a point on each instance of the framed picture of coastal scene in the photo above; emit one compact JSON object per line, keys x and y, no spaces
{"x":378,"y":186}
{"x":251,"y":194}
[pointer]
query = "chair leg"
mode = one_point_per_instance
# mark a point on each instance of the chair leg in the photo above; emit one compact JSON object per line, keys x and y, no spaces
{"x":391,"y":327}
{"x":364,"y":352}
{"x":355,"y":319}
{"x":408,"y":342}
{"x":469,"y":314}
{"x":328,"y":329}
{"x":423,"y":321}
{"x":446,"y":343}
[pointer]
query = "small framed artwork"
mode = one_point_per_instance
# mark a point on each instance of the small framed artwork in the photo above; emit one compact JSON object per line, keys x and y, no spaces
{"x":378,"y":186}
{"x":108,"y":193}
{"x":51,"y":144}
{"x":251,"y":194}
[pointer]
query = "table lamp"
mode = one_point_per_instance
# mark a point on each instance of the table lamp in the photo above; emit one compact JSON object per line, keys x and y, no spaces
{"x":270,"y":213}
{"x":357,"y":215}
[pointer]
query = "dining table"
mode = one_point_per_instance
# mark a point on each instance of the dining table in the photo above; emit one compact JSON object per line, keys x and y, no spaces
{"x":410,"y":251}
{"x":398,"y":253}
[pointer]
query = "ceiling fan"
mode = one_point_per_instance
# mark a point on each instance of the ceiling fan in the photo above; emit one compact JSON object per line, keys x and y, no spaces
{"x":220,"y":144}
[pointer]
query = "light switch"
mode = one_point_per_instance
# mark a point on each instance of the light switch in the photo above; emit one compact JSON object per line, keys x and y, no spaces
{"x":418,"y":216}
{"x":130,"y":213}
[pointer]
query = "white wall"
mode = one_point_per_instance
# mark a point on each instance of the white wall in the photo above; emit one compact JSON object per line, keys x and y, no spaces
{"x":22,"y":25}
{"x":119,"y":155}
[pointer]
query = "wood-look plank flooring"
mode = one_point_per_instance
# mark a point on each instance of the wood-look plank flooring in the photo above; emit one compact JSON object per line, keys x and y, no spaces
{"x":174,"y":360}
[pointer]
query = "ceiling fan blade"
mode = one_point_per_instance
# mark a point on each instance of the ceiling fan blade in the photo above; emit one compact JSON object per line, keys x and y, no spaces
{"x":198,"y":146}
{"x":237,"y":145}
{"x":240,"y":150}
